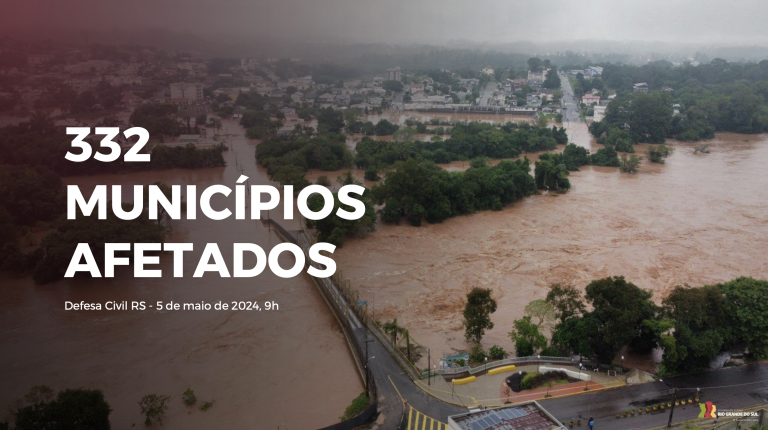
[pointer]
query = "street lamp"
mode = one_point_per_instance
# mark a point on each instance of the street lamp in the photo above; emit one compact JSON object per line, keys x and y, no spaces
{"x":486,"y":363}
{"x":538,"y":366}
{"x":453,"y":384}
{"x":586,"y":383}
{"x":622,"y":364}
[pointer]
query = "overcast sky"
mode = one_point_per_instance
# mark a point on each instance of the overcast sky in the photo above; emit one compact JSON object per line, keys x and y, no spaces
{"x":412,"y":21}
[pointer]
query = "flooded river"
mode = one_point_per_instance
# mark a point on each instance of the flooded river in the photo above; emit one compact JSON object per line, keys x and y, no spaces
{"x":695,"y":220}
{"x":288,"y":368}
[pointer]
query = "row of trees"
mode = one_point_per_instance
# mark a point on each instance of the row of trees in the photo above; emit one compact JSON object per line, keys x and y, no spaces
{"x":288,"y":159}
{"x":420,"y":191}
{"x":692,"y":325}
{"x":467,"y":141}
{"x":333,"y":229}
{"x":718,"y":96}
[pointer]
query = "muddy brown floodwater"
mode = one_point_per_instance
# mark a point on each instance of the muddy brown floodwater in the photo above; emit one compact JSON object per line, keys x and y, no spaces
{"x":262,"y":369}
{"x":695,"y":220}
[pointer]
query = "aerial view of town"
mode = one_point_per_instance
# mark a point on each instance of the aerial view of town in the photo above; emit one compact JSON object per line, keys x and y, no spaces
{"x":561,"y":216}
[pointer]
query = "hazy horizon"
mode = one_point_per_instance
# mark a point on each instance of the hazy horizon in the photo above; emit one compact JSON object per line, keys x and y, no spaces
{"x":493,"y":22}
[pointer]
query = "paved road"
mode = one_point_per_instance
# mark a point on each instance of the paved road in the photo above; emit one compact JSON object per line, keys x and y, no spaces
{"x":392,"y":384}
{"x":732,"y":388}
{"x":487,"y":92}
{"x":570,"y":109}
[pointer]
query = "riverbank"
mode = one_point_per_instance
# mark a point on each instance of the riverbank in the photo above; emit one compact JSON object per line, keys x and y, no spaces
{"x":254,"y":366}
{"x":694,"y":220}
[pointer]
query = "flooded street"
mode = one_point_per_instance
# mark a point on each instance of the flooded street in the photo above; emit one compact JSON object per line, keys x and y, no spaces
{"x":256,"y":366}
{"x":695,"y":220}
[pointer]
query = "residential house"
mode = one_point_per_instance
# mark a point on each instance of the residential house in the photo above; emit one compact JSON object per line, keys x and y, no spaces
{"x":533,"y":100}
{"x":326,"y":98}
{"x":590,"y":99}
{"x":641,"y":87}
{"x":131,"y":100}
{"x":342,"y":100}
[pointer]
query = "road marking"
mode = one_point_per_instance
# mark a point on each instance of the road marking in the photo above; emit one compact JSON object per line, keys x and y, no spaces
{"x":419,"y":421}
{"x":415,"y":420}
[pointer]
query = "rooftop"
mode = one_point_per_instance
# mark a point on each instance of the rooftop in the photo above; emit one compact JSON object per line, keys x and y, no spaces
{"x":528,"y":416}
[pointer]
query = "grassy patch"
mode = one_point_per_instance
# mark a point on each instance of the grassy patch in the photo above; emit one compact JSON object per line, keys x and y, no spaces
{"x":358,"y":405}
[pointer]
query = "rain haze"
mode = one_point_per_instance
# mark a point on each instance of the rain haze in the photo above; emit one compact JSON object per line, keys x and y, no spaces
{"x":442,"y":22}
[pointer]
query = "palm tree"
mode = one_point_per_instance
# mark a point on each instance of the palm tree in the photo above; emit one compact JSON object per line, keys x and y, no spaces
{"x":393,"y":330}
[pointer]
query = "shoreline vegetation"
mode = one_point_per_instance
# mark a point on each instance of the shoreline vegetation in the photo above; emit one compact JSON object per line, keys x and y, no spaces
{"x":692,"y":325}
{"x":32,"y":198}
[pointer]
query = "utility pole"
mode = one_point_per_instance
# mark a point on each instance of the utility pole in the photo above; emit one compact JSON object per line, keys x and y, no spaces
{"x":429,"y":364}
{"x":672,"y":409}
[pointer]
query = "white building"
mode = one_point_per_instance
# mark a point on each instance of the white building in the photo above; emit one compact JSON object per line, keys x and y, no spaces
{"x":593,"y":71}
{"x":186,"y":92}
{"x":488,"y":71}
{"x":394,"y":74}
{"x":599,"y":113}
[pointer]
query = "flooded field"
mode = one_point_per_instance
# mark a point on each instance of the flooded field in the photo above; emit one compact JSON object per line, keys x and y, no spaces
{"x":255,"y":366}
{"x":695,"y":220}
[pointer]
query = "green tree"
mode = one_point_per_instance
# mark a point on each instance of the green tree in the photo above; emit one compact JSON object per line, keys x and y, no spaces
{"x":72,"y":409}
{"x":153,"y":407}
{"x":333,"y":229}
{"x":391,"y":85}
{"x":477,"y":355}
{"x":657,"y":154}
{"x":330,"y":120}
{"x":497,"y":353}
{"x":578,"y":334}
{"x":477,"y":313}
{"x":629,"y":164}
{"x":393,"y":329}
{"x":747,"y":306}
{"x":527,"y":337}
{"x":542,"y":311}
{"x":551,"y":174}
{"x":621,"y":308}
{"x":552,"y":80}
{"x":566,"y":300}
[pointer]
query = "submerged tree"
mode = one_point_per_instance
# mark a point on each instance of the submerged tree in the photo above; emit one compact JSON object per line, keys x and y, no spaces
{"x":153,"y":407}
{"x":477,"y":313}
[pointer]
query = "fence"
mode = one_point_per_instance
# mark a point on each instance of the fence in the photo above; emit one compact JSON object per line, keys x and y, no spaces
{"x":498,"y":363}
{"x":340,"y":309}
{"x":351,"y":297}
